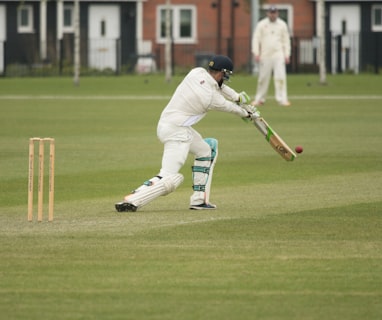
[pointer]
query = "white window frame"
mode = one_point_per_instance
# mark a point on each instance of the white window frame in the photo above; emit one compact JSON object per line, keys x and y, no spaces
{"x":68,"y":29}
{"x":374,"y":26}
{"x":176,"y":9}
{"x":284,"y":7}
{"x":28,"y":28}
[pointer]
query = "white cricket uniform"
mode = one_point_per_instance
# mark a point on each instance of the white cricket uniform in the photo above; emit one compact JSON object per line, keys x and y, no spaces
{"x":197,"y":94}
{"x":271,"y":42}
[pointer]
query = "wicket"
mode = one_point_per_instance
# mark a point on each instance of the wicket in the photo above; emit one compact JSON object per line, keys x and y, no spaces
{"x":40,"y":185}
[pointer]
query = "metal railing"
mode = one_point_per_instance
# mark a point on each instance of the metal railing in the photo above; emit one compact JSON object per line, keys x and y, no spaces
{"x":344,"y":53}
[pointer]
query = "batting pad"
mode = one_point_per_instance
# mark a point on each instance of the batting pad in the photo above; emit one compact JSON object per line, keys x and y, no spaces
{"x":162,"y":187}
{"x":202,"y":172}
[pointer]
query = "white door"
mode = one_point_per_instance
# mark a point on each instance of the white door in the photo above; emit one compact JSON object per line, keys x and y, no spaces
{"x":2,"y":36}
{"x":104,"y":33}
{"x":345,"y":20}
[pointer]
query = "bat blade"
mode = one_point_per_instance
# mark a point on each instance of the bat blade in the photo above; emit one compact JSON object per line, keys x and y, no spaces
{"x":278,"y":144}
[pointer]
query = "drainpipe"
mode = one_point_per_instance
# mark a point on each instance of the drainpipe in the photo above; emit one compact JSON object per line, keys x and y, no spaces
{"x":43,"y":17}
{"x":76,"y":79}
{"x":255,"y":8}
{"x":219,"y":31}
{"x":321,"y":33}
{"x":167,"y":55}
{"x":139,"y":27}
{"x":59,"y":26}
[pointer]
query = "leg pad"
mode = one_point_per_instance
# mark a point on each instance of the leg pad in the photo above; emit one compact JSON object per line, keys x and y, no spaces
{"x":143,"y":196}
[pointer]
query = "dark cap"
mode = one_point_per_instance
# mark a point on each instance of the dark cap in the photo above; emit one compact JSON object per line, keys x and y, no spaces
{"x":272,"y":9}
{"x":221,"y":63}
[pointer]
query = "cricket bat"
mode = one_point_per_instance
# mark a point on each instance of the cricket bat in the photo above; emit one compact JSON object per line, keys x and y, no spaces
{"x":274,"y":139}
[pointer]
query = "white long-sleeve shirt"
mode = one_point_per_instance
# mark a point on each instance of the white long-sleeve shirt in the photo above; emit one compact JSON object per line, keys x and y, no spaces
{"x":197,"y":94}
{"x":271,"y":38}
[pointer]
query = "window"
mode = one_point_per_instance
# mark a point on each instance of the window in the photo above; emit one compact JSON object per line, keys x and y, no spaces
{"x":343,"y":27}
{"x":68,"y":19}
{"x":182,"y":24}
{"x":103,"y":28}
{"x":163,"y":23}
{"x":185,"y":24}
{"x":285,"y":13}
{"x":25,"y":19}
{"x":376,"y":18}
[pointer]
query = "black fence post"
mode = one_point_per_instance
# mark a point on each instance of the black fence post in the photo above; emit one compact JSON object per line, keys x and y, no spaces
{"x":339,"y":56}
{"x":328,"y":51}
{"x":4,"y":58}
{"x":377,"y":53}
{"x":118,"y":53}
{"x":294,"y":55}
{"x":60,"y":57}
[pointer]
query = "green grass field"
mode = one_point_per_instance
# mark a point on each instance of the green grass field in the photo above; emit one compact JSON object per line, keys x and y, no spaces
{"x":289,"y":240}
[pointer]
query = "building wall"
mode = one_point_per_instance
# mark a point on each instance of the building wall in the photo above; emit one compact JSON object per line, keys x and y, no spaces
{"x":208,"y":29}
{"x":303,"y":16}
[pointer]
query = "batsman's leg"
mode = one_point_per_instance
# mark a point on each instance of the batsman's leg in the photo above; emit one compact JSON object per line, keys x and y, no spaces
{"x":150,"y":190}
{"x":174,"y":155}
{"x":202,"y":172}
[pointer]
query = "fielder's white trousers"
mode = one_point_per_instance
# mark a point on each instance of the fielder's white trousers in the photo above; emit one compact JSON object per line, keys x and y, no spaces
{"x":178,"y":143}
{"x":275,"y":64}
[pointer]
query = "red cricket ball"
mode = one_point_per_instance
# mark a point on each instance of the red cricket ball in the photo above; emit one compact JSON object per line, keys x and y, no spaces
{"x":299,"y":149}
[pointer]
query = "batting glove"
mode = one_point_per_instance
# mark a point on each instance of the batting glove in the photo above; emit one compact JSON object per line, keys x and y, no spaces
{"x":250,"y":108}
{"x":243,"y":98}
{"x":255,"y":115}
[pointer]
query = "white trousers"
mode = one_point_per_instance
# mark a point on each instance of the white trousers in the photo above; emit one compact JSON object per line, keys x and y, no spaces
{"x":178,"y":143}
{"x":275,"y":64}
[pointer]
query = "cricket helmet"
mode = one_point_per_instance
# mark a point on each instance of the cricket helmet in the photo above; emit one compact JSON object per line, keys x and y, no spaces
{"x":221,"y":63}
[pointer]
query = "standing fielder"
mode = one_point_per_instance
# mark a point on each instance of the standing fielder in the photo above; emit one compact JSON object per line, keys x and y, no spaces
{"x":200,"y":91}
{"x":271,"y":48}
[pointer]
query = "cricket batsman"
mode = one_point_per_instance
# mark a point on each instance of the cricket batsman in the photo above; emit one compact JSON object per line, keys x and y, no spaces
{"x":200,"y":91}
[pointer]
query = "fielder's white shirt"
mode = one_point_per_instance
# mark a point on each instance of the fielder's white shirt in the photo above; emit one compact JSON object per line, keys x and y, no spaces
{"x":197,"y":94}
{"x":271,"y":38}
